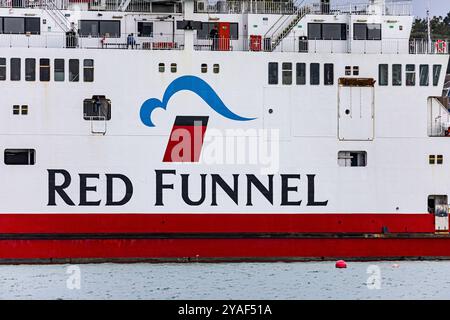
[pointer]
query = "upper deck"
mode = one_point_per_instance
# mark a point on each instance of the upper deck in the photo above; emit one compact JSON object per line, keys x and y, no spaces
{"x":304,"y":26}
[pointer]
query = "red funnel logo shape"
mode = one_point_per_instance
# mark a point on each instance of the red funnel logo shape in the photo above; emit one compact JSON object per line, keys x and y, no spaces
{"x":186,"y":139}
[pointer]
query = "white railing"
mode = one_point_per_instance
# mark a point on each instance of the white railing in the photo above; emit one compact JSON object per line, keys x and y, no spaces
{"x":246,"y":6}
{"x":61,"y":40}
{"x":390,"y":8}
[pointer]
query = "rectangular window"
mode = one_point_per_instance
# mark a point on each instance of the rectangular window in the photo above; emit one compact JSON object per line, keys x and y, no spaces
{"x":88,"y":70}
{"x":424,"y":75}
{"x":1,"y":25}
{"x":348,"y":70}
{"x":436,"y":74}
{"x":59,"y":70}
{"x":334,"y":31}
{"x":410,"y":75}
{"x":352,"y":158}
{"x":2,"y":69}
{"x":30,"y":69}
{"x":15,"y":69}
{"x":20,"y":156}
{"x":99,"y":28}
{"x":301,"y":74}
{"x":364,"y":31}
{"x":397,"y":75}
{"x":145,"y":29}
{"x":314,"y":74}
{"x":13,"y":25}
{"x":328,"y":74}
{"x":216,"y":68}
{"x":16,"y":109}
{"x":356,"y":70}
{"x":314,"y":31}
{"x":33,"y":25}
{"x":97,"y":109}
{"x":74,"y":70}
{"x":287,"y":73}
{"x":383,"y":74}
{"x":44,"y":69}
{"x":273,"y":72}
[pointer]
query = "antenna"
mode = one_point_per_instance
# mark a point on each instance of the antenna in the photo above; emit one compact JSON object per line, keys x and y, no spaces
{"x":429,"y":25}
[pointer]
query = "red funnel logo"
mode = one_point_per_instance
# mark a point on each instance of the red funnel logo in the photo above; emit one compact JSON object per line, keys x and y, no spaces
{"x":186,"y":139}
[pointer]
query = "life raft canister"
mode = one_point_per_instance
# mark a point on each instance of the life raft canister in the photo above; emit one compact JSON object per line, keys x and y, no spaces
{"x":441,"y":46}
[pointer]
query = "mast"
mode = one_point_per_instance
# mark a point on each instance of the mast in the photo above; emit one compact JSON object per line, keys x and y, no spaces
{"x":429,"y":25}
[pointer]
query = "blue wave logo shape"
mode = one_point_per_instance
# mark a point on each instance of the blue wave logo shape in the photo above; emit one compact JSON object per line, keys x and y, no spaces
{"x":189,"y":83}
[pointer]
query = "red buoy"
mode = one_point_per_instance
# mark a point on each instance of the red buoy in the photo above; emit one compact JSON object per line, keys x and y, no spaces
{"x":341,"y":264}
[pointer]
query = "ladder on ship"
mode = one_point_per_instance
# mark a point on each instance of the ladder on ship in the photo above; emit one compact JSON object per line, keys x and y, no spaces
{"x":57,"y":15}
{"x":284,"y":25}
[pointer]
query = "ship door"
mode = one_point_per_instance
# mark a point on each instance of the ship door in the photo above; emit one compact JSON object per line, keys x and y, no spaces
{"x":224,"y":36}
{"x":438,"y":205}
{"x":356,"y":102}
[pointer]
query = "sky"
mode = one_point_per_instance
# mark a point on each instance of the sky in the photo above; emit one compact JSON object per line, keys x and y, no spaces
{"x":438,"y":7}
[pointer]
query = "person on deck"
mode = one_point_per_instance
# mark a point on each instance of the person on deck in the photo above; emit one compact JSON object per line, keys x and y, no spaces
{"x":214,"y":36}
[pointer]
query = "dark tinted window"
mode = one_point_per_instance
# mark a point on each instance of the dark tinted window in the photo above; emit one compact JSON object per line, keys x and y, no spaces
{"x":301,"y":73}
{"x":334,"y":31}
{"x":424,"y":75}
{"x":74,"y":70}
{"x":314,"y":72}
{"x":89,"y":28}
{"x":360,"y":31}
{"x":110,"y":29}
{"x":286,"y":73}
{"x":59,"y":70}
{"x":20,"y":156}
{"x":328,"y":74}
{"x":15,"y":69}
{"x":145,"y":29}
{"x":383,"y":74}
{"x":397,"y":75}
{"x":374,"y":31}
{"x":2,"y":69}
{"x":314,"y":31}
{"x":44,"y":69}
{"x":1,"y":25}
{"x":33,"y":25}
{"x":436,"y":74}
{"x":410,"y":75}
{"x":273,"y":72}
{"x":30,"y":69}
{"x":88,"y":70}
{"x":14,"y":25}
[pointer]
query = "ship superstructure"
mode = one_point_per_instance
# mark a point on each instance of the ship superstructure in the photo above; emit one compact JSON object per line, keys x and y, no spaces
{"x":228,"y":130}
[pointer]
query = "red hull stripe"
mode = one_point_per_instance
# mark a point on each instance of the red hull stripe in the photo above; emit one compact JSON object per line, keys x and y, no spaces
{"x":220,"y":249}
{"x":214,"y":223}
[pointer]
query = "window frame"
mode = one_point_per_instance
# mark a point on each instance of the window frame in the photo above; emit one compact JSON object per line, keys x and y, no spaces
{"x":314,"y":74}
{"x":273,"y":73}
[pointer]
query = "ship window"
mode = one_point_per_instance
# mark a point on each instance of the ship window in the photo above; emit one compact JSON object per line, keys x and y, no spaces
{"x":30,"y":69}
{"x":352,"y":158}
{"x":383,"y":74}
{"x":216,"y":68}
{"x":13,"y":25}
{"x":273,"y":72}
{"x":59,"y":70}
{"x":145,"y":29}
{"x":424,"y":75}
{"x":2,"y":69}
{"x":356,"y":71}
{"x":314,"y":31}
{"x":44,"y":69}
{"x":328,"y":74}
{"x":436,"y":74}
{"x":24,"y":110}
{"x":15,"y":69}
{"x":74,"y":70}
{"x":314,"y":76}
{"x":16,"y":109}
{"x":431,"y":159}
{"x":20,"y":156}
{"x":287,"y":73}
{"x":204,"y":68}
{"x":161,"y":67}
{"x":363,"y":31}
{"x":173,"y":67}
{"x":20,"y":110}
{"x":88,"y":70}
{"x":334,"y":31}
{"x":98,"y":108}
{"x":439,"y":159}
{"x":33,"y":25}
{"x":397,"y":75}
{"x":410,"y":75}
{"x":438,"y":205}
{"x":301,"y":73}
{"x":348,"y":70}
{"x":1,"y":25}
{"x":96,"y":28}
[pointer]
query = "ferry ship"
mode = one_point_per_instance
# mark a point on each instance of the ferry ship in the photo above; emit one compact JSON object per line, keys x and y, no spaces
{"x":138,"y":130}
